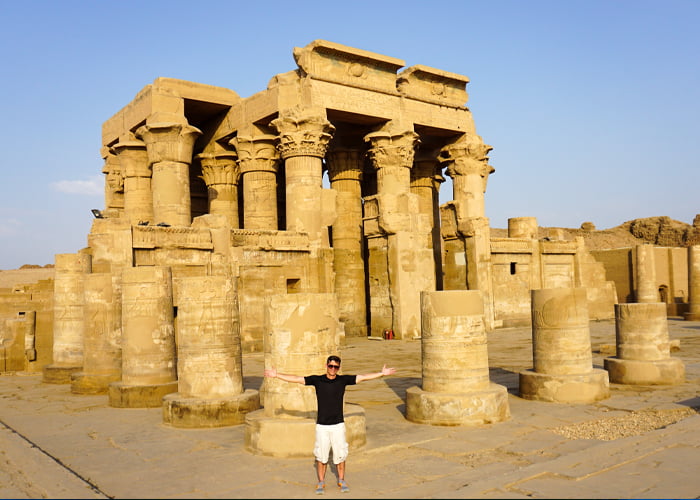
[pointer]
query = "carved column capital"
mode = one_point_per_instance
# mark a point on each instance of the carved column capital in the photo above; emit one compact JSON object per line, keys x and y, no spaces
{"x":344,"y":165}
{"x":133,"y":158}
{"x":302,"y":133}
{"x":169,"y":141}
{"x":392,"y":149}
{"x":256,"y":153}
{"x":467,"y":157}
{"x":219,"y":168}
{"x":114,"y":176}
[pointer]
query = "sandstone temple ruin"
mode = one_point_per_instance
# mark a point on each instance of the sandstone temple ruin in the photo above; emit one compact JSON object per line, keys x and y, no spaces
{"x":217,"y":219}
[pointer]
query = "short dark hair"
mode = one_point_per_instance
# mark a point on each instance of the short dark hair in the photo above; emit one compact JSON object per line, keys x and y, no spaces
{"x":333,"y":358}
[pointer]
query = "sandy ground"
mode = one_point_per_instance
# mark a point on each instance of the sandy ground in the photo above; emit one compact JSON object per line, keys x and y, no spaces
{"x":642,"y":442}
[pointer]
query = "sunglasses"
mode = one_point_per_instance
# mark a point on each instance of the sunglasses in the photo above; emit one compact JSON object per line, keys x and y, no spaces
{"x":333,"y":366}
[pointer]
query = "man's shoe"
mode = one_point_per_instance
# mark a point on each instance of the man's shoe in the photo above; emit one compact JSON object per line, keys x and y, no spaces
{"x":320,"y":488}
{"x":343,"y":486}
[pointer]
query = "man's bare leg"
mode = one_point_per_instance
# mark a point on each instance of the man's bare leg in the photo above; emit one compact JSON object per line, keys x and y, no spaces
{"x":320,"y":470}
{"x":341,"y":471}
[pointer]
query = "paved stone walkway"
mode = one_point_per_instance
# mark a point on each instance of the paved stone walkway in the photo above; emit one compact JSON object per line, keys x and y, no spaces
{"x":56,"y":444}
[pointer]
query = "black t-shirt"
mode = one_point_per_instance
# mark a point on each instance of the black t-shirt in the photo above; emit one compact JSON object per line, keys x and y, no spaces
{"x":329,"y":396}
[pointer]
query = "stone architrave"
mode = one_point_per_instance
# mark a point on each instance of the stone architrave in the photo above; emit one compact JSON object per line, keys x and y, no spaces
{"x":646,"y":290}
{"x":643,"y":348}
{"x":103,"y":334}
{"x":456,"y":389}
{"x":69,"y":317}
{"x":136,"y":169}
{"x":302,"y":143}
{"x":345,"y":176}
{"x":148,"y":339}
{"x":258,"y":162}
{"x":693,"y":313}
{"x":400,"y":262}
{"x":302,"y":330}
{"x":169,"y":146}
{"x":209,"y":358}
{"x":561,"y":350}
{"x":220,"y":173}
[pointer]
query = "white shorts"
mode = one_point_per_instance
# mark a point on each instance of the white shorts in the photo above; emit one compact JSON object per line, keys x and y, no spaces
{"x":331,"y":437}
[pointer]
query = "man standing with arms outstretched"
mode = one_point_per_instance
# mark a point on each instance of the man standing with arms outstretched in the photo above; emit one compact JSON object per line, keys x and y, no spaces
{"x":330,"y":424}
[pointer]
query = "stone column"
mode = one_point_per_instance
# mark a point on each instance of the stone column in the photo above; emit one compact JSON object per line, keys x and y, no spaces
{"x":69,"y":317}
{"x":103,"y":335}
{"x":114,"y":185}
{"x":220,"y":173}
{"x":523,"y":227}
{"x":302,"y":142}
{"x":466,"y":162}
{"x":148,"y":339}
{"x":693,"y":313}
{"x":169,"y":148}
{"x":345,"y":176}
{"x":209,"y":359}
{"x":258,"y":162}
{"x":301,"y":331}
{"x":646,"y":290}
{"x":643,"y":348}
{"x":138,"y":197}
{"x":561,"y":350}
{"x":396,"y":230}
{"x":456,"y":389}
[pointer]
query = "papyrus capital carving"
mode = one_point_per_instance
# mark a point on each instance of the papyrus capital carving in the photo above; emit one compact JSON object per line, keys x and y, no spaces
{"x":302,"y":133}
{"x":469,"y":156}
{"x":256,"y":153}
{"x":169,"y":141}
{"x":219,"y":168}
{"x":392,"y":149}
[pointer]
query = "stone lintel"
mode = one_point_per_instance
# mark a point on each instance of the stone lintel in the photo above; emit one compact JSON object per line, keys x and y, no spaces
{"x":433,"y":85}
{"x":558,"y":247}
{"x":511,"y":245}
{"x":333,"y":62}
{"x":171,"y":237}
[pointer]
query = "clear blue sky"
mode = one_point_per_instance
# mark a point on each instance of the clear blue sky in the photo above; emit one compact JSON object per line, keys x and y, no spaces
{"x":591,"y":106}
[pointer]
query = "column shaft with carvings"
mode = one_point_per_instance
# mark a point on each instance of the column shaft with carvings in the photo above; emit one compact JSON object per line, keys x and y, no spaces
{"x":258,"y":163}
{"x":693,"y":313}
{"x":467,"y":164}
{"x":220,"y":173}
{"x":114,"y":185}
{"x":169,"y":148}
{"x":645,"y":277}
{"x":345,"y":176}
{"x":302,"y":142}
{"x":138,"y":197}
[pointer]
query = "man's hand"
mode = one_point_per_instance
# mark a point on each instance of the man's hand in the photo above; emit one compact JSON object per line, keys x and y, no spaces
{"x":272,"y":372}
{"x":388,"y":371}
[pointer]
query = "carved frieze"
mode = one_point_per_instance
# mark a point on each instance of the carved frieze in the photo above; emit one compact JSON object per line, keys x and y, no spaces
{"x":270,"y":240}
{"x":171,"y":237}
{"x":510,"y":245}
{"x":433,"y":85}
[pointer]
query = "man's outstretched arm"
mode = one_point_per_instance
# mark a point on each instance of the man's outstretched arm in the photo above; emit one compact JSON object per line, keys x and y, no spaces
{"x":370,"y":376}
{"x":272,"y":373}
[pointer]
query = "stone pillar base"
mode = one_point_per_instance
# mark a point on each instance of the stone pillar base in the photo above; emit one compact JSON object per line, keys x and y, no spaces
{"x":59,"y":374}
{"x":91,"y":383}
{"x":472,"y":408}
{"x":294,"y":437}
{"x":577,"y":388}
{"x":193,"y":413}
{"x":691,"y":316}
{"x":123,"y":395}
{"x":669,"y":371}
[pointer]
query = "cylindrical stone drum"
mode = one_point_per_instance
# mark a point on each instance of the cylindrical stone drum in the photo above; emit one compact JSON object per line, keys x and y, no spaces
{"x":641,"y":331}
{"x":561,"y":341}
{"x":103,"y":325}
{"x":209,"y":363}
{"x":453,"y":342}
{"x":148,"y":335}
{"x":646,"y":275}
{"x":301,"y":331}
{"x":522,"y":227}
{"x":69,"y":307}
